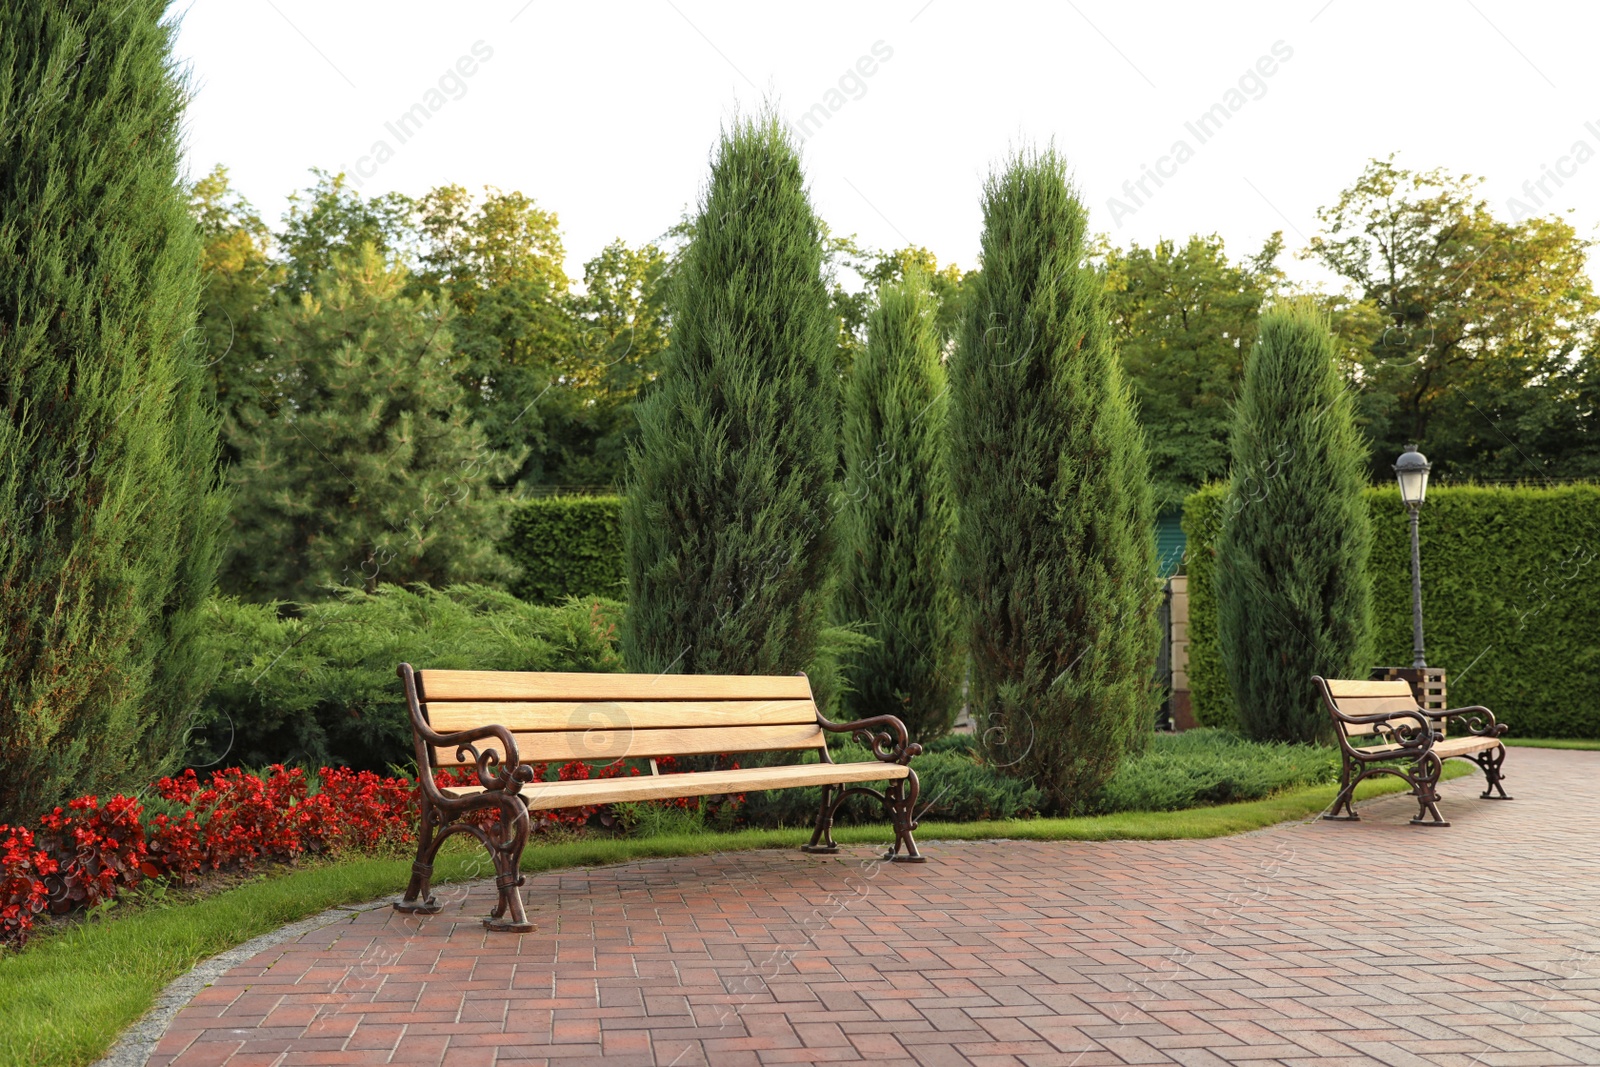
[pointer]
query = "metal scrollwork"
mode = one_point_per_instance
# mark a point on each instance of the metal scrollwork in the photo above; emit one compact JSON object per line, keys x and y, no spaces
{"x":892,"y":744}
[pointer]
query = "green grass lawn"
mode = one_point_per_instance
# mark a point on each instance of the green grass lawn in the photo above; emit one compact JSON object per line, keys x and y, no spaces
{"x":1587,"y":744}
{"x":65,"y":999}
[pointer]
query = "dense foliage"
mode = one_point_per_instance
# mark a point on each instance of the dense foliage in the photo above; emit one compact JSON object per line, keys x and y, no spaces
{"x":1504,"y":571}
{"x":1293,"y":592}
{"x":343,"y":481}
{"x":318,"y":687}
{"x":1489,"y":350}
{"x":1054,"y":547}
{"x":895,"y":520}
{"x":109,"y":508}
{"x":727,"y":519}
{"x":566,"y":546}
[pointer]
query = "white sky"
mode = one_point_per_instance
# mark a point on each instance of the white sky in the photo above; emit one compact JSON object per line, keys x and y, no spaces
{"x":606,"y":113}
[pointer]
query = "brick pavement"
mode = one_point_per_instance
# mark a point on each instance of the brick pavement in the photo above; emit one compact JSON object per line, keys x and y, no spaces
{"x":1310,"y":943}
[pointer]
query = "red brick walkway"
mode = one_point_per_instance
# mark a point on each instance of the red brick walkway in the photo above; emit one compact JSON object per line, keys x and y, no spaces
{"x":1325,"y":943}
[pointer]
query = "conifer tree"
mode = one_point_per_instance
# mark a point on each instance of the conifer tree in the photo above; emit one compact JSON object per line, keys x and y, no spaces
{"x":1294,"y":598}
{"x":726,"y":515}
{"x":365,"y":469}
{"x":1054,"y":549}
{"x":109,"y":507}
{"x":896,"y":519}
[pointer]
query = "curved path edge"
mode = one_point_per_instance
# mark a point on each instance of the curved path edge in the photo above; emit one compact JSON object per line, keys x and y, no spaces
{"x":138,"y":1041}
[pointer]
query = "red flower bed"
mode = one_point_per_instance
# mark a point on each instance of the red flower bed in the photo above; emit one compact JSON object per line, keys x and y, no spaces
{"x":83,"y":855}
{"x":22,"y":893}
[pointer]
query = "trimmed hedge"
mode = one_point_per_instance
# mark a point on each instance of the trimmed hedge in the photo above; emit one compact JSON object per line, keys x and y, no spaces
{"x":566,"y":546}
{"x":1509,"y":586}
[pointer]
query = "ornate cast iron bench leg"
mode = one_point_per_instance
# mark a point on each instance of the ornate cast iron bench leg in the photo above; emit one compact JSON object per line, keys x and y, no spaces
{"x":418,"y":899}
{"x":1346,"y":797}
{"x":1425,"y":776}
{"x":822,"y":837}
{"x":505,"y":848}
{"x":1490,"y":762}
{"x":901,"y":800}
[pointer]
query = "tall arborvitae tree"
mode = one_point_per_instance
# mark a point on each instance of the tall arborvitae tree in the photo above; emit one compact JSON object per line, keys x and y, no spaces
{"x":362,"y":468}
{"x":896,"y":519}
{"x":1294,"y":597}
{"x":727,"y":513}
{"x":109,"y":509}
{"x":1054,"y":549}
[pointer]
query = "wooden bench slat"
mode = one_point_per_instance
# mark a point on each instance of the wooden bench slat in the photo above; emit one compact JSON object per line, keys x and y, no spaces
{"x":1349,"y":687}
{"x":618,"y":714}
{"x":543,"y":796}
{"x":521,"y":685}
{"x":566,"y":745}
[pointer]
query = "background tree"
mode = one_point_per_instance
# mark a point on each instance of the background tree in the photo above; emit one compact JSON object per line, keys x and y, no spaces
{"x":1479,"y":310}
{"x":328,"y":218}
{"x":1054,"y":548}
{"x":241,"y":280}
{"x":621,"y":333}
{"x":1183,"y":317}
{"x":1294,"y":596}
{"x":896,"y":519}
{"x":725,"y":518}
{"x":109,"y":509}
{"x":368,"y":469}
{"x":499,"y":263}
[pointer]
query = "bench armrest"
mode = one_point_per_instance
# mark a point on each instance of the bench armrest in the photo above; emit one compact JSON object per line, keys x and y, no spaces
{"x":1418,"y":737}
{"x":1475,"y":717}
{"x":498,"y":771}
{"x":892,"y":745}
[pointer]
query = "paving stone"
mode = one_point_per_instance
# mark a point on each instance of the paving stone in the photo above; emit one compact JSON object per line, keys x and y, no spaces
{"x":1372,"y":943}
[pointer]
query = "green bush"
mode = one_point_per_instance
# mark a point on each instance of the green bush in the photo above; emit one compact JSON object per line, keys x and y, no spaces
{"x":955,"y":786}
{"x":1509,"y":580}
{"x":566,"y":546}
{"x":725,"y":519}
{"x":895,"y":519}
{"x":319,"y":687}
{"x":109,"y":511}
{"x":1293,"y":594}
{"x":1054,"y":548}
{"x":1200,"y":767}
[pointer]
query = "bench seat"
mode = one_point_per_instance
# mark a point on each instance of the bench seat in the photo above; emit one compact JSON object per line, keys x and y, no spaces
{"x":542,"y":796}
{"x":1445,"y":749}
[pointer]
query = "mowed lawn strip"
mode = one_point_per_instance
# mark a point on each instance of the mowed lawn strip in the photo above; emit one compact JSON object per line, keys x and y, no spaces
{"x":1586,"y":744}
{"x":65,"y":999}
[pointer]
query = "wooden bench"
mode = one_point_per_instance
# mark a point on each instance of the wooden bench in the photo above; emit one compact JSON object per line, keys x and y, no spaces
{"x":1409,"y":736}
{"x":501,"y":722}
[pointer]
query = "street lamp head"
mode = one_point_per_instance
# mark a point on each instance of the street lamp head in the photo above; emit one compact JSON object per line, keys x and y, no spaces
{"x":1411,"y":470}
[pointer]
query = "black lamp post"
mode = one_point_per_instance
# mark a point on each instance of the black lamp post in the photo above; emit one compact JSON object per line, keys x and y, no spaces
{"x":1411,"y":470}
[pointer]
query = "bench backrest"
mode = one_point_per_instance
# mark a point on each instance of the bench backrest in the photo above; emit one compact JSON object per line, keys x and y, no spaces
{"x":559,"y":717}
{"x":1370,"y":698}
